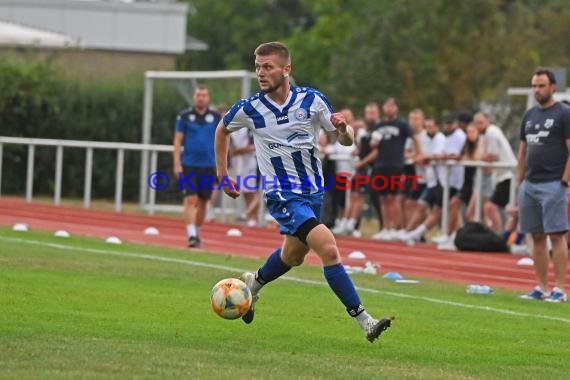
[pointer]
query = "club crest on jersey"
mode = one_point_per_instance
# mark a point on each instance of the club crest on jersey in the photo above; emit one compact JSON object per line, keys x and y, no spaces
{"x":209,"y":118}
{"x":548,"y":123}
{"x":192,"y":117}
{"x":301,"y":114}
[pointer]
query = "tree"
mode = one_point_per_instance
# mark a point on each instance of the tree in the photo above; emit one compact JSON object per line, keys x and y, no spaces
{"x":233,"y":29}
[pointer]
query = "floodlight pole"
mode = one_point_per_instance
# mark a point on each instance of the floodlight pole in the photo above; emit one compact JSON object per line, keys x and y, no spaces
{"x":146,"y":137}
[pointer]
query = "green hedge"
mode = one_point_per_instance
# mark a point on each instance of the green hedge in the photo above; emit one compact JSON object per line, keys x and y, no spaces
{"x":36,"y":100}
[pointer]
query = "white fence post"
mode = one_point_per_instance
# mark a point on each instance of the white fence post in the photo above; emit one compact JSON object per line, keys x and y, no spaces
{"x":30,"y":173}
{"x":1,"y":155}
{"x":88,"y":176}
{"x":58,"y":172}
{"x":119,"y":179}
{"x":152,"y":192}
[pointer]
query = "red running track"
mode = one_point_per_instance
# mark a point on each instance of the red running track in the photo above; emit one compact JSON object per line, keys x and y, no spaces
{"x":421,"y":260}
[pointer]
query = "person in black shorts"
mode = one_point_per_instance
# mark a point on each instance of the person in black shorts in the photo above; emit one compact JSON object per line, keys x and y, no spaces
{"x":195,"y":131}
{"x":412,"y":193}
{"x":495,"y":148}
{"x":450,"y":148}
{"x":388,"y":140}
{"x":471,"y":152}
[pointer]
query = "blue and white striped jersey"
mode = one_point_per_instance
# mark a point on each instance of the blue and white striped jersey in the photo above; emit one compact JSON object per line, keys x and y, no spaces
{"x":285,"y":137}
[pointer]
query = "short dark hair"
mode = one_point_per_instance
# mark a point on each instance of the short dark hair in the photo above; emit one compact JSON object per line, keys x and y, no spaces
{"x":548,"y":73}
{"x":278,"y":48}
{"x":201,"y":87}
{"x":465,"y":117}
{"x":449,"y":118}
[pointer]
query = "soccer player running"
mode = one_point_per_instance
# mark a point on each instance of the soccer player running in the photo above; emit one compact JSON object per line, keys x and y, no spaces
{"x":543,"y":175}
{"x":195,"y":130}
{"x":285,"y":121}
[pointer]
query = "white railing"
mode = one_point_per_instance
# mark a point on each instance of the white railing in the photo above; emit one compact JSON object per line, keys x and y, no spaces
{"x":155,"y":149}
{"x":477,"y":185}
{"x":89,"y":147}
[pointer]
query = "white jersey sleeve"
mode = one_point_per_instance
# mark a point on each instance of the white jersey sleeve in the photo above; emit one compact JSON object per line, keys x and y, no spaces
{"x":236,"y":118}
{"x":324,"y":111}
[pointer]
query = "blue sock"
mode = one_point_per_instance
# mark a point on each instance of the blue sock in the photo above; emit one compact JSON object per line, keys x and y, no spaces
{"x":273,"y":268}
{"x":342,"y":286}
{"x":520,"y":238}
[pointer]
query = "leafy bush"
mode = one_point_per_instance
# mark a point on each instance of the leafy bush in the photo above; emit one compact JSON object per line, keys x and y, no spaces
{"x":36,"y":100}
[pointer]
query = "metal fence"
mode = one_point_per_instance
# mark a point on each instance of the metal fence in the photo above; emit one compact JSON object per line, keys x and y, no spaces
{"x":154,"y":149}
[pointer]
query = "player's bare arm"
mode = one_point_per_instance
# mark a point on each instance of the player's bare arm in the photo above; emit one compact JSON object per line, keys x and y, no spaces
{"x":370,"y":158}
{"x":221,"y":146}
{"x":178,"y":138}
{"x":521,"y":162}
{"x":344,"y":131}
{"x":418,"y":156}
{"x":566,"y":175}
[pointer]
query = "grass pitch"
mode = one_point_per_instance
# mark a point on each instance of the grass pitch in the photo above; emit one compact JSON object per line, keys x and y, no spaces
{"x":78,"y":307}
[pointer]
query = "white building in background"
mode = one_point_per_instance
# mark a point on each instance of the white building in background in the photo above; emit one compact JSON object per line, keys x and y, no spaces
{"x":115,"y":36}
{"x":18,"y":36}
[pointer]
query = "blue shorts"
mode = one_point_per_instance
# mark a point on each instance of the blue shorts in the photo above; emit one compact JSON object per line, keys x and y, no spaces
{"x":291,"y":210}
{"x":542,"y":207}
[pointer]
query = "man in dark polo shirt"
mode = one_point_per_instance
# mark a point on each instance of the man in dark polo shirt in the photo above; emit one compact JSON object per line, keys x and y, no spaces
{"x":195,"y":129}
{"x":389,"y":140}
{"x":543,"y":175}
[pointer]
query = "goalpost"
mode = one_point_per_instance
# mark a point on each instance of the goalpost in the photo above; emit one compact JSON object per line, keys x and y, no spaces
{"x":150,"y":77}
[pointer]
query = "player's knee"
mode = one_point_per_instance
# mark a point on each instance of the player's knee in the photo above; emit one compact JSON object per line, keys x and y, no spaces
{"x":191,"y":199}
{"x":488,"y":207}
{"x":329,"y":253}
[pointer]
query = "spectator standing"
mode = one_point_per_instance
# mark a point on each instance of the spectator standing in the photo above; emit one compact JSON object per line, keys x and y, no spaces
{"x":495,"y":148}
{"x":411,"y":195}
{"x":195,"y":131}
{"x":389,"y":140}
{"x":543,"y":175}
{"x":242,"y":153}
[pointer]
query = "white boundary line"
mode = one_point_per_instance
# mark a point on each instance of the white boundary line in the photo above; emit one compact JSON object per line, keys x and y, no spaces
{"x":289,"y":278}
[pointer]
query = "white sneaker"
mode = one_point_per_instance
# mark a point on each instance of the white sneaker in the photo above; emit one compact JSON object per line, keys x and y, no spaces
{"x":374,"y":328}
{"x":411,"y":236}
{"x":520,"y":249}
{"x":397,"y":235}
{"x":249,"y":278}
{"x":441,"y":239}
{"x":356,"y":234}
{"x":251,"y":223}
{"x":382,"y":235}
{"x":339,"y":230}
{"x":447,"y":246}
{"x":210,"y":214}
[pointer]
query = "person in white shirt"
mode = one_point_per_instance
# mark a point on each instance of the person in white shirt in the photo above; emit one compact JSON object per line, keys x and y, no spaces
{"x":242,"y":153}
{"x":412,"y":195}
{"x":452,"y":148}
{"x":432,"y":144}
{"x":495,"y":148}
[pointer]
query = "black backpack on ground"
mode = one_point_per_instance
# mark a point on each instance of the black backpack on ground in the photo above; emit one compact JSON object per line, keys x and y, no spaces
{"x":478,"y":237}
